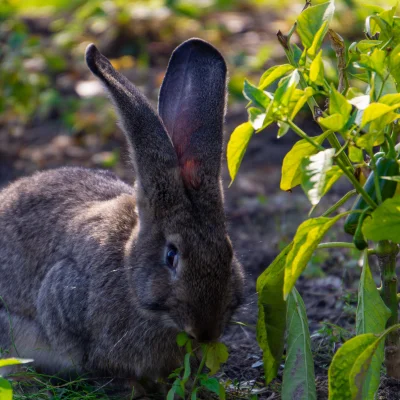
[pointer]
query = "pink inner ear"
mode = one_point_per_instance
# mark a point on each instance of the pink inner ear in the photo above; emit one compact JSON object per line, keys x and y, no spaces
{"x":190,"y":173}
{"x":183,"y":129}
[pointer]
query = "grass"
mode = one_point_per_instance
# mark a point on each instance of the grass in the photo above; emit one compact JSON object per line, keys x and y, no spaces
{"x":30,"y":385}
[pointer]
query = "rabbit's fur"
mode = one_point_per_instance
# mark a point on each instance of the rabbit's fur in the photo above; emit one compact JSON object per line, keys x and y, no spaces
{"x":83,"y":275}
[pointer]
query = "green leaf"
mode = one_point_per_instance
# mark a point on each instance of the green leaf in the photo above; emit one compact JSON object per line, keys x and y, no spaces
{"x":317,"y":70}
{"x":306,"y":94}
{"x":274,"y":73}
{"x":334,"y":122}
{"x":182,"y":338}
{"x":372,"y":315}
{"x":394,"y":62}
{"x":285,"y":90}
{"x":311,"y":20}
{"x":211,"y":384}
{"x":187,"y":371}
{"x":255,"y":95}
{"x":256,"y":118}
{"x":271,"y":322}
{"x":342,"y":363}
{"x":355,"y":154}
{"x":338,"y":104}
{"x":349,"y":367}
{"x":291,"y":166}
{"x":5,"y":390}
{"x":217,"y":354}
{"x":366,"y":45}
{"x":318,"y":174}
{"x":237,"y":146}
{"x":318,"y":39}
{"x":384,"y":222}
{"x":5,"y":362}
{"x":378,"y":110}
{"x":308,"y":236}
{"x":298,"y":375}
{"x":374,"y":61}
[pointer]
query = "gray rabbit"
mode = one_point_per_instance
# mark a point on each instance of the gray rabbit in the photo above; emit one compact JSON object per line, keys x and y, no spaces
{"x":98,"y":276}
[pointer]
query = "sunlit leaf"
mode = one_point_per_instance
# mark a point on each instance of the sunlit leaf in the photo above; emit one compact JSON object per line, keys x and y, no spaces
{"x":5,"y":390}
{"x":271,"y":322}
{"x":374,"y":61}
{"x":298,"y":375}
{"x":377,"y":110}
{"x":360,"y":102}
{"x":274,"y":73}
{"x":5,"y":362}
{"x":334,"y":122}
{"x":355,"y":154}
{"x":317,"y":70}
{"x":255,"y":95}
{"x":308,"y":236}
{"x":310,"y":22}
{"x":256,"y":117}
{"x":291,"y":166}
{"x":237,"y":146}
{"x":319,"y":174}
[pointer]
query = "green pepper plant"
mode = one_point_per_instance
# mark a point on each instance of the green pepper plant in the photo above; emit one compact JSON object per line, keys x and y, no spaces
{"x":357,"y":111}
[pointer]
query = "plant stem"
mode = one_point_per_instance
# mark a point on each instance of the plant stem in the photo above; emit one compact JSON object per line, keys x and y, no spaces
{"x":201,"y":366}
{"x":386,"y":253}
{"x":332,"y":245}
{"x":343,"y":200}
{"x":304,"y":135}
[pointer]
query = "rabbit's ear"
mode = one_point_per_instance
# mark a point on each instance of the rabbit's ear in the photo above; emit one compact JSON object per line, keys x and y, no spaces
{"x":192,"y":107}
{"x":154,"y":158}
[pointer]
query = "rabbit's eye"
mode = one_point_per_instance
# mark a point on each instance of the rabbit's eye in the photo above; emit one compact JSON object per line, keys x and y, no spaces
{"x":172,"y":257}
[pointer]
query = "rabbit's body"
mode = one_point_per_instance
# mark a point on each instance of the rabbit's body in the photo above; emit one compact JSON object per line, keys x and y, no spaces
{"x":99,"y":276}
{"x":62,"y":319}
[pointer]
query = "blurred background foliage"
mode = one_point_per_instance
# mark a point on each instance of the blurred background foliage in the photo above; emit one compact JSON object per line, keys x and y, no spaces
{"x":43,"y":76}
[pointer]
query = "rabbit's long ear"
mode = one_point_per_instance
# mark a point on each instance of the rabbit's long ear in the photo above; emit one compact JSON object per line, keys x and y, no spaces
{"x":154,"y":158}
{"x":192,"y":107}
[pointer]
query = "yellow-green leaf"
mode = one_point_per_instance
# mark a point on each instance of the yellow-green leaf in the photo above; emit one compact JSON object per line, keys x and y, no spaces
{"x":291,"y":166}
{"x":274,"y":73}
{"x":313,"y":22}
{"x":318,"y":174}
{"x":5,"y":362}
{"x":308,"y":236}
{"x":334,"y":122}
{"x":5,"y":390}
{"x":317,"y":70}
{"x":377,"y":110}
{"x":237,"y":146}
{"x":217,"y":354}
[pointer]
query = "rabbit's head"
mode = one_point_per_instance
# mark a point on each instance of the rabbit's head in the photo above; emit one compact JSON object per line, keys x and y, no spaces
{"x":183,"y":271}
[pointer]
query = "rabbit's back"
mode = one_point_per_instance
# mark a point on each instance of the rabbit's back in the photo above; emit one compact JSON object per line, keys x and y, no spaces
{"x":68,"y":213}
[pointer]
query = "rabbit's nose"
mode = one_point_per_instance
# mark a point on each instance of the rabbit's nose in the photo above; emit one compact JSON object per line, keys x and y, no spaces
{"x":203,"y":335}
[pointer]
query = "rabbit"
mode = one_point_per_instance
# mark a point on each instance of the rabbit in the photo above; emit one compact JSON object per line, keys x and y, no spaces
{"x":100,"y":276}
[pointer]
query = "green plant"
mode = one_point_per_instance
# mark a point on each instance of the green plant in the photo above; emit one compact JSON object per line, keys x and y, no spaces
{"x":6,"y":392}
{"x":212,"y":356}
{"x":358,"y":119}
